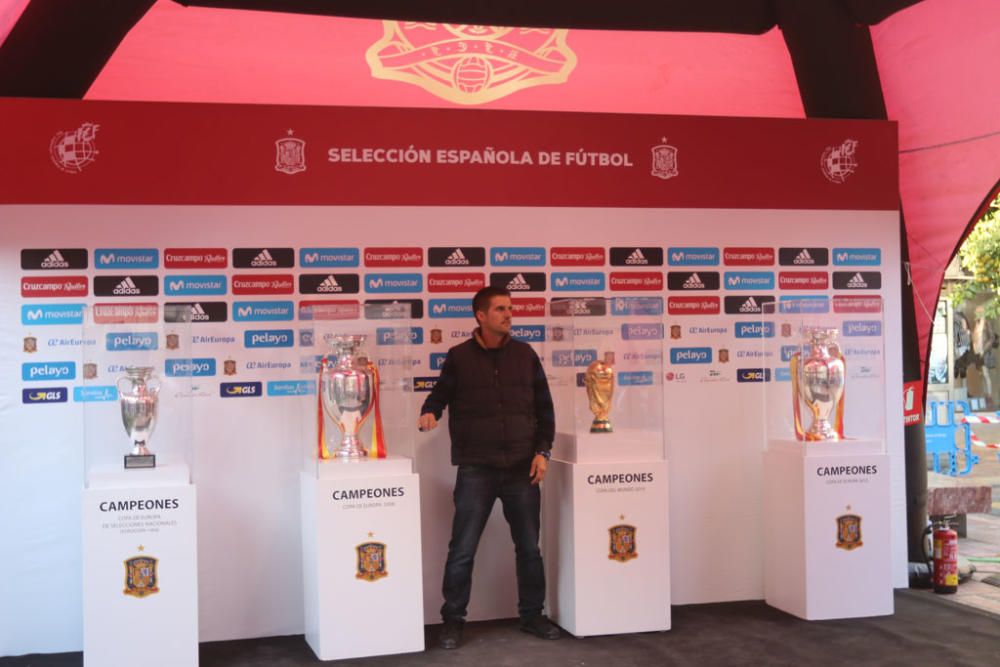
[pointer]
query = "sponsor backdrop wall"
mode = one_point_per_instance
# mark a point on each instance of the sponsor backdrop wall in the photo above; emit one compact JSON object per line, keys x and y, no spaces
{"x":247,"y":215}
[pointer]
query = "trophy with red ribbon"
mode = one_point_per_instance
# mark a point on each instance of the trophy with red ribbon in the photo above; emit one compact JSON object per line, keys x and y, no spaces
{"x":348,"y":394}
{"x":818,"y":372}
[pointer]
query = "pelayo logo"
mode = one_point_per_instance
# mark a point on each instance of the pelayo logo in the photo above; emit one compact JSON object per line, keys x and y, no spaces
{"x":642,"y":331}
{"x":201,"y":367}
{"x":399,"y":335}
{"x":754,"y":329}
{"x":533,"y":333}
{"x":566,"y":358}
{"x":268,"y":338}
{"x":690,"y":355}
{"x":131,"y":340}
{"x":48,"y":371}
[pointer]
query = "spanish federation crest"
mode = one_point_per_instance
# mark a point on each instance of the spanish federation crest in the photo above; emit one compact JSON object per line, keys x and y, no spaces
{"x":229,"y":367}
{"x":141,"y":578}
{"x":838,"y":162}
{"x":470,"y":64}
{"x":173,"y":341}
{"x":664,"y":160}
{"x":291,"y":155}
{"x":371,"y":561}
{"x":622,"y":546}
{"x":30,"y":344}
{"x":849,"y":532}
{"x":72,"y":150}
{"x":436,"y":336}
{"x":89,"y":370}
{"x":675,"y":332}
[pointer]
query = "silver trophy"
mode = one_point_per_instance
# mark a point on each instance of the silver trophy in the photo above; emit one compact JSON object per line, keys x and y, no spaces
{"x":820,"y":380}
{"x":346,"y":388}
{"x":137,"y":394}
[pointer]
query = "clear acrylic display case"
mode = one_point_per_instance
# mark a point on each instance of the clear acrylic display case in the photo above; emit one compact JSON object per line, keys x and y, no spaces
{"x":801,"y":339}
{"x":386,"y":340}
{"x":128,"y":351}
{"x":604,"y":338}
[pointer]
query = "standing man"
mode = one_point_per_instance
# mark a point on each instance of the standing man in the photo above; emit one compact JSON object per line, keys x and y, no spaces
{"x":501,"y":426}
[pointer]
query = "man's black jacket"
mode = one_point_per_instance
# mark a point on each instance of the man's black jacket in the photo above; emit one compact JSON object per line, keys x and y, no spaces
{"x":500,"y":408}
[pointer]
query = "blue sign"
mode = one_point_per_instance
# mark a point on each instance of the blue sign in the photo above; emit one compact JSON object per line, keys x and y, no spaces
{"x":58,"y":313}
{"x":209,"y":285}
{"x":643,"y":331}
{"x":399,"y":335}
{"x":529,"y":333}
{"x":517,"y":256}
{"x":693,"y":256}
{"x":263,"y":311}
{"x":754,"y":329}
{"x":48,"y":371}
{"x":44,"y":395}
{"x":577,"y":281}
{"x":787,"y":351}
{"x":437,"y":360}
{"x":129,"y":340}
{"x":862,"y":328}
{"x":623,"y":306}
{"x":268,"y":338}
{"x":804,"y":304}
{"x":240,"y":389}
{"x":748,"y":280}
{"x":202,"y":367}
{"x":95,"y":394}
{"x":126,"y":258}
{"x":378,"y":283}
{"x":635,"y":378}
{"x":857,"y":256}
{"x":291,"y":388}
{"x":450,"y":308}
{"x":782,"y":374}
{"x":329,"y":258}
{"x":573,"y":357}
{"x":690,"y":355}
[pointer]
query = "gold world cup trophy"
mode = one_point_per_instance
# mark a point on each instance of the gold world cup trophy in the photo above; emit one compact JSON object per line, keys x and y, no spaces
{"x":600,"y":383}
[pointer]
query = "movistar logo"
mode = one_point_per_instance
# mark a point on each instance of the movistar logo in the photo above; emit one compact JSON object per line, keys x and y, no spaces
{"x":55,"y":260}
{"x":264,"y":259}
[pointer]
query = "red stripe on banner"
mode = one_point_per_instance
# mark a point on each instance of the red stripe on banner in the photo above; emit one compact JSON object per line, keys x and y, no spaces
{"x":71,"y":151}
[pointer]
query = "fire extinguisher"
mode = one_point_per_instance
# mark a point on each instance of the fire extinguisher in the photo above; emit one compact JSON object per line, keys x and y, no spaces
{"x":945,"y":557}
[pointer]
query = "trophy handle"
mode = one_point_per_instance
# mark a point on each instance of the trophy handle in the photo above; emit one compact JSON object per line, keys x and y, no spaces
{"x":153,"y":385}
{"x":118,"y":385}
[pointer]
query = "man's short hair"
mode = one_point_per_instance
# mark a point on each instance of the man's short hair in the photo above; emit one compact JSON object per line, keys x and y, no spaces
{"x":481,"y":302}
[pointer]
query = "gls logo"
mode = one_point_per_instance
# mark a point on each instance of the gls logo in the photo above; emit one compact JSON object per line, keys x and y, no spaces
{"x":566,"y":358}
{"x":213,"y":285}
{"x":753,"y":375}
{"x":399,"y":335}
{"x":128,"y":341}
{"x":126,"y":258}
{"x":46,"y":395}
{"x":263,"y":311}
{"x":62,"y":313}
{"x":52,"y":370}
{"x":240,"y":389}
{"x":268,"y":338}
{"x":204,"y":367}
{"x":517,"y":256}
{"x":690,"y":355}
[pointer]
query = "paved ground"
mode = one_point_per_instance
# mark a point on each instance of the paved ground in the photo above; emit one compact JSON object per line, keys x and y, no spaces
{"x":983,"y":530}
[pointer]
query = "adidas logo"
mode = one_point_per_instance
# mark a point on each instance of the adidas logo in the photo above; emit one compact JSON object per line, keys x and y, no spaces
{"x":857,"y":282}
{"x":804,"y":258}
{"x":264,"y":259}
{"x":518,"y":283}
{"x":329,"y":285}
{"x":636,"y":258}
{"x":750,"y":306}
{"x":694,"y":282}
{"x":198,"y":313}
{"x":457,"y":258}
{"x":126,"y":288}
{"x":55,"y":261}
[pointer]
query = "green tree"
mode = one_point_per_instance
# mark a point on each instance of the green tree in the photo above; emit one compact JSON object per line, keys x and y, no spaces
{"x":980,"y":257}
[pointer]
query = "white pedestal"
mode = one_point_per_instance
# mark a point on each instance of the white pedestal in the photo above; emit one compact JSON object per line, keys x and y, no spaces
{"x":623,"y":445}
{"x":130,"y":514}
{"x":595,"y":588}
{"x":353,"y":609}
{"x":814,"y":566}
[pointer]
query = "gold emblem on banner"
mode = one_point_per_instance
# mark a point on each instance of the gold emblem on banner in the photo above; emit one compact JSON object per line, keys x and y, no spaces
{"x":30,"y":344}
{"x":371,"y":561}
{"x":291,"y":154}
{"x":622,"y":547}
{"x":436,"y":336}
{"x":470,"y":64}
{"x":723,"y":355}
{"x":849,"y":531}
{"x":173,"y":341}
{"x":141,"y":579}
{"x":229,"y":367}
{"x":89,"y":370}
{"x":675,"y":332}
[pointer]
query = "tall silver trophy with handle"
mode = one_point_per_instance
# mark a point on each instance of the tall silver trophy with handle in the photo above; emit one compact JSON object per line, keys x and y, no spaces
{"x":138,"y":394}
{"x":347,"y":392}
{"x":818,"y":376}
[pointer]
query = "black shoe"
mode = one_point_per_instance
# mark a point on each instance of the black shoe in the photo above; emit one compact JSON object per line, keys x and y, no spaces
{"x":540,"y":627}
{"x":451,"y":635}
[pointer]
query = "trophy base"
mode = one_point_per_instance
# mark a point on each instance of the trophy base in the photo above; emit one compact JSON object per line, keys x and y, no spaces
{"x":601,"y":426}
{"x":140,"y":461}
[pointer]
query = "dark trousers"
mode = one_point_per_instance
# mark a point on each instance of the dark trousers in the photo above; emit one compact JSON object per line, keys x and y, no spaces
{"x":476,"y":489}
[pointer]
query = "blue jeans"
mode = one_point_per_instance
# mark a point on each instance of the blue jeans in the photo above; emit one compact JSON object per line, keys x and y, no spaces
{"x":476,"y":489}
